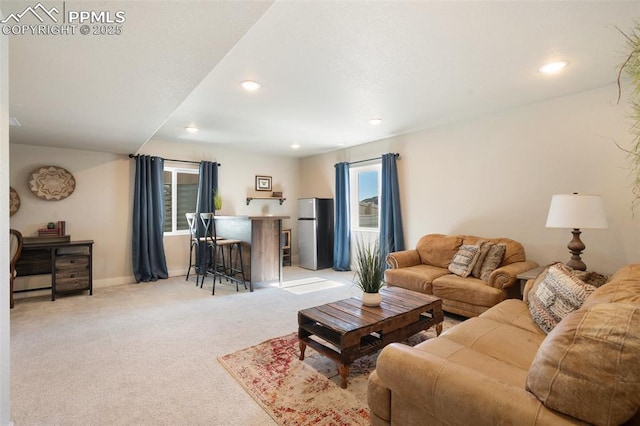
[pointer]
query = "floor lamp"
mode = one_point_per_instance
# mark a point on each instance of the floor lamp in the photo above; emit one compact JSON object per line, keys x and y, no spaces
{"x":576,"y":211}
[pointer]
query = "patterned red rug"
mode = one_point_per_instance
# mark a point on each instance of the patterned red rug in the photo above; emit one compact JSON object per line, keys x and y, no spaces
{"x":308,"y":392}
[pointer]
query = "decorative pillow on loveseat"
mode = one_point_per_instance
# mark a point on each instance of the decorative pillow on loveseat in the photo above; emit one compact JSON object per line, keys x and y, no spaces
{"x":464,"y":260}
{"x":485,"y":246}
{"x":492,"y":260}
{"x":555,"y":296}
{"x":587,"y":367}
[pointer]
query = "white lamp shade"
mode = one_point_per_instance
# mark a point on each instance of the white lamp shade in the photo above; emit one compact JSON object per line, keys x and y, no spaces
{"x":577,"y":211}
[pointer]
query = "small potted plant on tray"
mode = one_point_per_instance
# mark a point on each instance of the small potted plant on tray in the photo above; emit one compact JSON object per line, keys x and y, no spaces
{"x":369,"y":272}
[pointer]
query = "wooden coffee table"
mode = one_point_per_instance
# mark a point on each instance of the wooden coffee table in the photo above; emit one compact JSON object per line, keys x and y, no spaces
{"x":347,"y":330}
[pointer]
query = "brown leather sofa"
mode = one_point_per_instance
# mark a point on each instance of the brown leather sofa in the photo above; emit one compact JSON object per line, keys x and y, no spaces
{"x":500,"y":368}
{"x":425,"y":269}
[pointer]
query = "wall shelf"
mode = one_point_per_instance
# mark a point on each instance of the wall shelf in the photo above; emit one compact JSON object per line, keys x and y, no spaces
{"x":249,"y":199}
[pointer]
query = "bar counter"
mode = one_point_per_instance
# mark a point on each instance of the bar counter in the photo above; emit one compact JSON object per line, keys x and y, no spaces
{"x":261,"y":244}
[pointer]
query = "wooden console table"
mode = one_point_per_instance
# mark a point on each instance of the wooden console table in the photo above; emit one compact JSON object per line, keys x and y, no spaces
{"x":69,"y":263}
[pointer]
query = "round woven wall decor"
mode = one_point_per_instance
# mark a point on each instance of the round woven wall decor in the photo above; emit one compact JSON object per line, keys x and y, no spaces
{"x":14,"y":201}
{"x":52,"y":183}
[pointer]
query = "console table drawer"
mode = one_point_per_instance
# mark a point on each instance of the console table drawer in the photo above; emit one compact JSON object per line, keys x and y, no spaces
{"x":72,"y":261}
{"x":72,"y":283}
{"x":72,"y":269}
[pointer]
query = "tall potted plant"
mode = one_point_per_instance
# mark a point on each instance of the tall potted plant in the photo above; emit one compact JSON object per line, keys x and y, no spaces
{"x":369,"y":272}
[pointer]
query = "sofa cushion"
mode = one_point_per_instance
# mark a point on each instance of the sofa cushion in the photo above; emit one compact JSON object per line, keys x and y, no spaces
{"x":555,"y":296}
{"x":468,"y":290}
{"x":464,"y":260}
{"x":492,"y":260}
{"x":627,"y":272}
{"x":627,"y":291}
{"x":416,"y":278}
{"x":437,"y":249}
{"x":482,"y":254}
{"x":467,"y":357}
{"x":513,"y":312}
{"x":587,"y":367}
{"x":488,"y":337}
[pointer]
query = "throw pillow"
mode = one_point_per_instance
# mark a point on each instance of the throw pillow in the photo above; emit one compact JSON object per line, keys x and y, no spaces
{"x":484,"y":249}
{"x":556,"y":296}
{"x":464,"y":259}
{"x":587,"y":366}
{"x":492,"y":260}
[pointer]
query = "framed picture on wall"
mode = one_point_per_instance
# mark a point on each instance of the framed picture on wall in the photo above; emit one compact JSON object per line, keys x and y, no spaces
{"x":263,"y":183}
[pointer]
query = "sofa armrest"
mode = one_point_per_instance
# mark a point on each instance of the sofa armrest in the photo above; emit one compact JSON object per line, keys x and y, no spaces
{"x":505,"y":276}
{"x":456,"y":394}
{"x":403,"y":259}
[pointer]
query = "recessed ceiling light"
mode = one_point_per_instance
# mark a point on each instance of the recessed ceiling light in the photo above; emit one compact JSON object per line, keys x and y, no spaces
{"x":250,"y":85}
{"x":191,"y":129}
{"x":295,"y":146}
{"x":553,"y":67}
{"x":375,"y":121}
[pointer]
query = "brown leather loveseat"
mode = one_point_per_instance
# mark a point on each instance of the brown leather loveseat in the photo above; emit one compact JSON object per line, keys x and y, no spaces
{"x":487,"y":277}
{"x":501,"y":368}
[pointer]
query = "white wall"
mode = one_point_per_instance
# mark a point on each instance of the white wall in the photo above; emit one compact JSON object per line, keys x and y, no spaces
{"x":494,"y":176}
{"x":100,"y":208}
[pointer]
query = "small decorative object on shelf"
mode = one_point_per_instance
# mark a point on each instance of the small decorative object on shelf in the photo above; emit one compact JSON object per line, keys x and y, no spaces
{"x":277,"y":194}
{"x":53,"y":229}
{"x":263,"y":183}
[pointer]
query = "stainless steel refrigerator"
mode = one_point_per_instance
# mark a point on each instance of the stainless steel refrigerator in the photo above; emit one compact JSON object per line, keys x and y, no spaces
{"x":315,"y":233}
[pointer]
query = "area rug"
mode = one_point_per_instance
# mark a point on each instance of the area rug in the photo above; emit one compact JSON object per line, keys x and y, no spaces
{"x":308,"y":392}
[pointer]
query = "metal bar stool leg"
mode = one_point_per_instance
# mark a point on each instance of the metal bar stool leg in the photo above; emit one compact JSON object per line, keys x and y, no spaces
{"x":190,"y":260}
{"x":238,"y":245}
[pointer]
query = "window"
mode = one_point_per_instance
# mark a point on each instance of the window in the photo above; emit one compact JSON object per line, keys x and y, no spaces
{"x":180,"y":196}
{"x":365,"y":193}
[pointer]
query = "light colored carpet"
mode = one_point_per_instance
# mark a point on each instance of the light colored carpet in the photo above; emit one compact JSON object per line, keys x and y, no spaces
{"x":145,"y":354}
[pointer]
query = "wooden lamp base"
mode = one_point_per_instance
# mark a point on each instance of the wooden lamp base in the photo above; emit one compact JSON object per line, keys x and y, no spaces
{"x":576,"y":247}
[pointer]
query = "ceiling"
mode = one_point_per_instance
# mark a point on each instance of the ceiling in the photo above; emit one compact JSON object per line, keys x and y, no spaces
{"x":326,"y":68}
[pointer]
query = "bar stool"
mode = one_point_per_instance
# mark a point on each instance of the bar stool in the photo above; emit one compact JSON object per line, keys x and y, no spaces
{"x":233,"y":272}
{"x":216,"y":260}
{"x":193,"y":243}
{"x":194,"y":247}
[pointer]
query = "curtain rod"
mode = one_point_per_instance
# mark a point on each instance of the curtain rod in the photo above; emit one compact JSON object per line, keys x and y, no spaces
{"x":369,"y":159}
{"x":177,"y":161}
